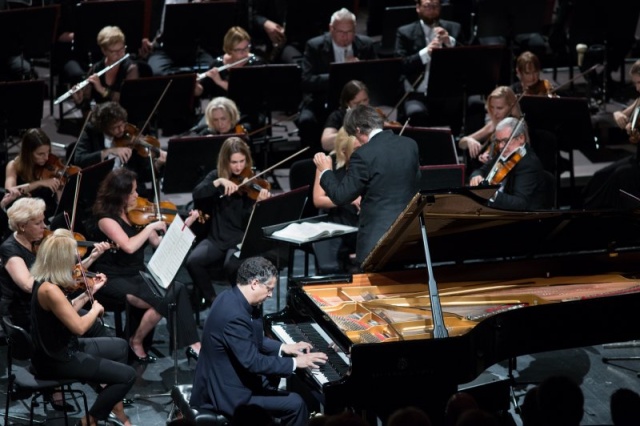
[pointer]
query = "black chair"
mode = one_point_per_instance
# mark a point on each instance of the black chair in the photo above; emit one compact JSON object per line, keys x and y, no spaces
{"x":21,"y":381}
{"x":183,"y":414}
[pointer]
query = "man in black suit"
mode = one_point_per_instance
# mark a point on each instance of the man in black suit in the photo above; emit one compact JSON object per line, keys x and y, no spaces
{"x":385,"y":171}
{"x":414,"y":44}
{"x":340,"y":44}
{"x":526,"y":185}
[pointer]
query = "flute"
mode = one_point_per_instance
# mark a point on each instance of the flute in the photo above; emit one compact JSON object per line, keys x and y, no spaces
{"x":224,"y":67}
{"x":83,"y":83}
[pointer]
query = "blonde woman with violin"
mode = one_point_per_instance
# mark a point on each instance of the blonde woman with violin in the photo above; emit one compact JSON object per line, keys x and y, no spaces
{"x":108,"y":135}
{"x":333,"y":255}
{"x":116,"y":195}
{"x":221,"y":117}
{"x":500,"y":103}
{"x":18,"y":253}
{"x":230,"y":204}
{"x":32,"y":172}
{"x":516,"y":169}
{"x":59,"y":351}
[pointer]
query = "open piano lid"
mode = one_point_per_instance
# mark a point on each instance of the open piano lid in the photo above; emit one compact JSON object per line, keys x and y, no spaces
{"x":461,"y":228}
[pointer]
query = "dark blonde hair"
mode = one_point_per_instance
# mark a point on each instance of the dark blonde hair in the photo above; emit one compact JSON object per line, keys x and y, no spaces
{"x":525,"y":59}
{"x":232,"y":145}
{"x":234,"y":36}
{"x":110,"y":35}
{"x":55,"y":259}
{"x":508,"y":95}
{"x":31,"y":140}
{"x":343,"y":147}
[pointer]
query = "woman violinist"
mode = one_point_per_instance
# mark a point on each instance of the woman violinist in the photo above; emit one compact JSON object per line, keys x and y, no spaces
{"x":230,"y":204}
{"x":353,"y":93}
{"x":523,"y":181}
{"x":529,"y":81}
{"x":59,"y":351}
{"x":221,"y":117}
{"x":17,"y":253}
{"x":35,"y":171}
{"x":116,"y":195}
{"x":108,"y":135}
{"x":500,"y":103}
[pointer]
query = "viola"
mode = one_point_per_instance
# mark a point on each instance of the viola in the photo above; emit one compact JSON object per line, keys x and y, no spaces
{"x":504,"y":165}
{"x":55,"y":168}
{"x":143,"y":145}
{"x":249,"y":184}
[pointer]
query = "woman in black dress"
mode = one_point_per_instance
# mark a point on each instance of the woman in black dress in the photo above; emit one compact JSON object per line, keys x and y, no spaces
{"x":117,"y":193}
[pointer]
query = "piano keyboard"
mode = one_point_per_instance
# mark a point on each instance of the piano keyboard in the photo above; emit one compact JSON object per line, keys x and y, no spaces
{"x":338,"y":363}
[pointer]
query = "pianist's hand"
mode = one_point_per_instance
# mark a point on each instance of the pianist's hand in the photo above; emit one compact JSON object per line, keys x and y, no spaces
{"x":296,"y":348}
{"x":310,"y":359}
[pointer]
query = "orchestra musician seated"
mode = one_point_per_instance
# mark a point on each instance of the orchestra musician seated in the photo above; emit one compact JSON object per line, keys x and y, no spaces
{"x":221,"y":117}
{"x":529,"y":81}
{"x":523,"y":182}
{"x":230,"y":205}
{"x":353,"y":93}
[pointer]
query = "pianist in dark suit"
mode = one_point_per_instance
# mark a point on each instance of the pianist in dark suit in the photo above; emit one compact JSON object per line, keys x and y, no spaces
{"x":237,"y":360}
{"x":384,"y":171}
{"x":526,"y":185}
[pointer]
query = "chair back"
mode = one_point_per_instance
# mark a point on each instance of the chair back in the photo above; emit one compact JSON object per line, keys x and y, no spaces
{"x":19,"y":341}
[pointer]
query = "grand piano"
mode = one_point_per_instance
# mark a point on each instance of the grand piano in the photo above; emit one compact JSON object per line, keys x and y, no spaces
{"x":455,"y":287}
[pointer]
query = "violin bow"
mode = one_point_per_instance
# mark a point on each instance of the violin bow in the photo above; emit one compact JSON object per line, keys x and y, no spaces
{"x":153,"y":111}
{"x":406,"y":93}
{"x":84,"y":126}
{"x":404,"y":126}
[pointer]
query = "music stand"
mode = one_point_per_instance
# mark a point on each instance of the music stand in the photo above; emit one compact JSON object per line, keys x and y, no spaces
{"x":30,"y":31}
{"x":435,"y":145}
{"x":460,"y":72}
{"x":189,"y":27}
{"x":568,"y":119}
{"x":140,"y":96}
{"x":189,"y":159}
{"x":394,"y":17}
{"x":21,"y":107}
{"x":381,"y":76}
{"x":92,"y":16}
{"x":442,"y":176}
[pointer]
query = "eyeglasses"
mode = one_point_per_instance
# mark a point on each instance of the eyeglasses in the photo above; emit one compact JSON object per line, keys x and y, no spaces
{"x":430,"y":6}
{"x":269,"y":288}
{"x":122,"y":49}
{"x":242,"y":49}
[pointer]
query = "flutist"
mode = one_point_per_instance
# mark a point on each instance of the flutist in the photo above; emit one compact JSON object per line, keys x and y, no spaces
{"x":107,"y":75}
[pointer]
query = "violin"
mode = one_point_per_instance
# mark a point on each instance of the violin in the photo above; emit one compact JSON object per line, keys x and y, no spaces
{"x":239,"y":129}
{"x":634,"y":135}
{"x":249,"y":184}
{"x":541,"y":88}
{"x":143,"y":145}
{"x":145,"y":212}
{"x":55,"y":168}
{"x":387,"y":122}
{"x":83,"y":244}
{"x":84,"y":279}
{"x":504,"y":165}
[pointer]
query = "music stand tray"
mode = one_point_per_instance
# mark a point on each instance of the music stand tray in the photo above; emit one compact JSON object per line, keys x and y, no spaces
{"x":189,"y":159}
{"x":266,"y":88}
{"x":381,"y":76}
{"x":92,"y":16}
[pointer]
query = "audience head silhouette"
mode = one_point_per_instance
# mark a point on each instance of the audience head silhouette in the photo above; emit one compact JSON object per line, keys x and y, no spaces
{"x":561,"y":401}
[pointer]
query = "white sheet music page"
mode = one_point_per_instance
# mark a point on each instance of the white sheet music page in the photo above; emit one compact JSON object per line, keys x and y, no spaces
{"x":170,"y":254}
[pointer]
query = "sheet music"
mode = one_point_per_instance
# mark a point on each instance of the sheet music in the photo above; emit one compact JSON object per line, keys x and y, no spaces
{"x":170,"y":254}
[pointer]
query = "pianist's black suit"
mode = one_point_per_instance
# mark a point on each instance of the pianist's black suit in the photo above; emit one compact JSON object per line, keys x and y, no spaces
{"x":385,"y":171}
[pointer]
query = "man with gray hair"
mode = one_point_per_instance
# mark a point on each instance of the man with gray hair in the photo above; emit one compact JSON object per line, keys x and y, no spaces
{"x":523,"y":182}
{"x":340,"y":44}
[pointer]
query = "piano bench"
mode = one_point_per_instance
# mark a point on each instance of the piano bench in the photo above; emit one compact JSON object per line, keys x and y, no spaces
{"x":183,"y":414}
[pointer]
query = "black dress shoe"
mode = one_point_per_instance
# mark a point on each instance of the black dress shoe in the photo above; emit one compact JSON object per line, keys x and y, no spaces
{"x":143,"y":360}
{"x":59,"y":405}
{"x":191,"y":353}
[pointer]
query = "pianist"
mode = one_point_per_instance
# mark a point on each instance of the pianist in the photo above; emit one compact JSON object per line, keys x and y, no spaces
{"x":237,"y":363}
